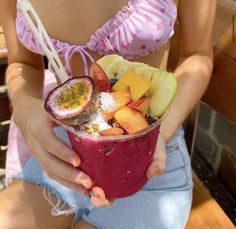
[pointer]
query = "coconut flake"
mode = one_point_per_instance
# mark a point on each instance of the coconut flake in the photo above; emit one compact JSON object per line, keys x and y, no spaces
{"x":95,"y":125}
{"x":107,"y":102}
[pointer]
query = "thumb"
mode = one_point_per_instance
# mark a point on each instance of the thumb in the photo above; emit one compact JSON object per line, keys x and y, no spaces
{"x":158,"y":164}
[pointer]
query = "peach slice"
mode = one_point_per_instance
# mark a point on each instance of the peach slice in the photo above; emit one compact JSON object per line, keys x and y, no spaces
{"x":115,"y":131}
{"x":137,"y":83}
{"x":121,"y":98}
{"x":141,"y":105}
{"x":130,"y":119}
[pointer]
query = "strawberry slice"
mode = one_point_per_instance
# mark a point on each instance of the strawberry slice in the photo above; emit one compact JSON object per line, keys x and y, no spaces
{"x":100,"y":78}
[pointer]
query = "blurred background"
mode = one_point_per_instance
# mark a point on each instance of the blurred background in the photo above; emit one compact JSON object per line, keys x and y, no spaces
{"x":212,"y":137}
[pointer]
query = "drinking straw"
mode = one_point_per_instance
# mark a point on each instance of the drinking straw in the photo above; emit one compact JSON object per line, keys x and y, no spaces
{"x":43,"y":38}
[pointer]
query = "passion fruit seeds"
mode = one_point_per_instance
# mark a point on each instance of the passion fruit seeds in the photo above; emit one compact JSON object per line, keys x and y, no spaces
{"x":73,"y":101}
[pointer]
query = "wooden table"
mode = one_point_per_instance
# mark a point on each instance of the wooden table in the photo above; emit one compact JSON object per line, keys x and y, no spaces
{"x":206,"y":213}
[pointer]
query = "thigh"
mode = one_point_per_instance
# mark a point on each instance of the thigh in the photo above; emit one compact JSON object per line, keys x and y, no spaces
{"x":146,"y":209}
{"x":23,"y":205}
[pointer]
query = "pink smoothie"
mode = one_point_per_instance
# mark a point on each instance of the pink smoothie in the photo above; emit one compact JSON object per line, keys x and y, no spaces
{"x":117,"y":164}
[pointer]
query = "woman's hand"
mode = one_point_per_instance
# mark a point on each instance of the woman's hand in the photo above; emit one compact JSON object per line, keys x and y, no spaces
{"x":157,"y":167}
{"x":158,"y":164}
{"x":58,"y":160}
{"x":55,"y":157}
{"x":98,"y":198}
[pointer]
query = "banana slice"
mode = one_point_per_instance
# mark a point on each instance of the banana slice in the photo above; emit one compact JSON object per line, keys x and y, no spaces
{"x":106,"y":60}
{"x":130,"y":66}
{"x":163,"y":91}
{"x":145,"y":71}
{"x":113,"y":69}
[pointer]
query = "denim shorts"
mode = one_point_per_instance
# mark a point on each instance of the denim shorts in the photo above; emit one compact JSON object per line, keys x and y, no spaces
{"x":163,"y":203}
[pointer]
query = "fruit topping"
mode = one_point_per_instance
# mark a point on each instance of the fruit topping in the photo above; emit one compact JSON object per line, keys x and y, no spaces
{"x":163,"y":91}
{"x":108,"y":59}
{"x":130,"y":119}
{"x":73,"y":101}
{"x":130,"y":96}
{"x":141,"y":105}
{"x":110,"y":102}
{"x":115,"y":131}
{"x":151,"y":120}
{"x":130,"y":66}
{"x":137,"y":83}
{"x":100,"y":78}
{"x":113,"y":70}
{"x":96,"y":124}
{"x":113,"y":81}
{"x":146,"y":72}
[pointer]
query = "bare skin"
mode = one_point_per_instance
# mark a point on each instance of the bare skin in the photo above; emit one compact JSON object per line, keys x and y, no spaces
{"x":18,"y":201}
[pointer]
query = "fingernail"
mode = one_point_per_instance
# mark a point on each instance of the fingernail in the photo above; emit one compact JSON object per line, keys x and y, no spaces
{"x":87,"y":185}
{"x":82,"y":181}
{"x":75,"y":162}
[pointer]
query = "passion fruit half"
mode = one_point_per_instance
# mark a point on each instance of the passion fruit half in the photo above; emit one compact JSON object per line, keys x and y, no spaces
{"x":73,"y":101}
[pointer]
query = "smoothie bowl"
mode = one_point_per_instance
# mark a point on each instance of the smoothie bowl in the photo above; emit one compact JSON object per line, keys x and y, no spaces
{"x":113,"y":118}
{"x":117,"y":164}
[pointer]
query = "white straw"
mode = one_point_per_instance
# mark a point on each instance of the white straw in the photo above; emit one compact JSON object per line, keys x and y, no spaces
{"x":43,"y":38}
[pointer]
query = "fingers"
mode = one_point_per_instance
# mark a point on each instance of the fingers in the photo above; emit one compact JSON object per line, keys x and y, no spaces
{"x":53,"y":155}
{"x":68,"y":184}
{"x":98,"y":198}
{"x":158,"y":164}
{"x":56,"y":147}
{"x":55,"y":166}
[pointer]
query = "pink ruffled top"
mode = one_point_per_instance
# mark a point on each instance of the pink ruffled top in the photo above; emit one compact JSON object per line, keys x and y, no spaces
{"x":140,"y":28}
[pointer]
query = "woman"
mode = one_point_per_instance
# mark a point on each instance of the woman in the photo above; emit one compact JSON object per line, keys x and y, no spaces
{"x":140,"y":30}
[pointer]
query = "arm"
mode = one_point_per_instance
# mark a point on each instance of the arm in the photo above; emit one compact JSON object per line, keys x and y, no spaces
{"x":195,"y":65}
{"x":24,"y":78}
{"x":193,"y":72}
{"x":20,"y":60}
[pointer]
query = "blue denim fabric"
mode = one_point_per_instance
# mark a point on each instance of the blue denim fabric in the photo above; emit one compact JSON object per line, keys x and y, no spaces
{"x":163,"y":203}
